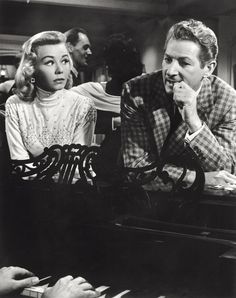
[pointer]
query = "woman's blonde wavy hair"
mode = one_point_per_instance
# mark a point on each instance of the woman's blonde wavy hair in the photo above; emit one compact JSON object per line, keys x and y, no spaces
{"x":25,"y":88}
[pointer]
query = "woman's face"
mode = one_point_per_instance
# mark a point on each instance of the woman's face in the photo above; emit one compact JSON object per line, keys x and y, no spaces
{"x":52,"y":67}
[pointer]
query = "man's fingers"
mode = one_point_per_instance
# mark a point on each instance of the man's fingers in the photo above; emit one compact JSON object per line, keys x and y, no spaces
{"x":179,"y":86}
{"x":182,"y":85}
{"x":83,"y":284}
{"x":20,"y":270}
{"x":180,"y":93}
{"x":227,"y":177}
{"x":227,"y":174}
{"x":65,"y":279}
{"x":220,"y":178}
{"x":26,"y":282}
{"x":79,"y":280}
{"x":86,"y":286}
{"x":15,"y":270}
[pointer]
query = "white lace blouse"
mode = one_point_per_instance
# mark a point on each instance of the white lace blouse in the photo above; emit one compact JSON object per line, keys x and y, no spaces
{"x":59,"y":118}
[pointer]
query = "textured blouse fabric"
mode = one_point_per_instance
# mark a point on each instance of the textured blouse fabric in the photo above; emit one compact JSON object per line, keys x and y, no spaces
{"x":63,"y":117}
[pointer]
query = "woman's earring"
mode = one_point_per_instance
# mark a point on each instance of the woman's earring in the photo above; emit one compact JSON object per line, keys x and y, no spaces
{"x":32,"y":80}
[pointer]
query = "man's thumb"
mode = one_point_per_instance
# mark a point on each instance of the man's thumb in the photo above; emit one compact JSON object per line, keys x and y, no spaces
{"x":27,"y":282}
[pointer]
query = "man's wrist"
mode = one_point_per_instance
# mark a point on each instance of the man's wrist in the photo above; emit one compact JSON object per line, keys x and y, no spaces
{"x":190,"y":136}
{"x":195,"y":126}
{"x":190,"y":177}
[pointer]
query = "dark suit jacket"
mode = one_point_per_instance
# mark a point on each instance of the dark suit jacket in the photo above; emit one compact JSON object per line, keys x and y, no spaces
{"x":76,"y":79}
{"x":104,"y":122}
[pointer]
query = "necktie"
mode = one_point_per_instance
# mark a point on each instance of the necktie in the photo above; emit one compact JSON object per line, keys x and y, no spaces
{"x":175,"y":120}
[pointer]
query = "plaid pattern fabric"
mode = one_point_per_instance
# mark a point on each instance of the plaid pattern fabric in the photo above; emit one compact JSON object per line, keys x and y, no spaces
{"x":145,"y":114}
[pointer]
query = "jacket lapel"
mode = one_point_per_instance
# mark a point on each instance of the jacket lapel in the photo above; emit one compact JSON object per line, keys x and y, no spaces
{"x":160,"y":125}
{"x":159,"y":110}
{"x":205,"y":100}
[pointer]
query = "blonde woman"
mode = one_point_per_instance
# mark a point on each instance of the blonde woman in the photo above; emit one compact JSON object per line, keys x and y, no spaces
{"x":43,"y":112}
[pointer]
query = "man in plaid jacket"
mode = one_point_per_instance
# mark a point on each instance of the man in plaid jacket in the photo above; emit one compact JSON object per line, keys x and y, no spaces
{"x":182,"y":105}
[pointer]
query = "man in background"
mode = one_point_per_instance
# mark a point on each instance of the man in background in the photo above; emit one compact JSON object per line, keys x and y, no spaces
{"x":80,"y":50}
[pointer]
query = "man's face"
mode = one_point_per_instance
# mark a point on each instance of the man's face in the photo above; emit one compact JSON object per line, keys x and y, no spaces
{"x":181,"y":63}
{"x":81,"y":51}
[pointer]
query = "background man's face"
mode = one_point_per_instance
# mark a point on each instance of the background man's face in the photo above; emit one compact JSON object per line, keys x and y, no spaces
{"x":81,"y":51}
{"x":181,"y":63}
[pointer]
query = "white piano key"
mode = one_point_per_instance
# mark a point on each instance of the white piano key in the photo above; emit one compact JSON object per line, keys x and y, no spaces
{"x":102,"y":288}
{"x":121,"y":294}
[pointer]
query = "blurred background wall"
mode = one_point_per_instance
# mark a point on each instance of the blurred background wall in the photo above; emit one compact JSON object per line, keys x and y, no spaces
{"x":147,"y":21}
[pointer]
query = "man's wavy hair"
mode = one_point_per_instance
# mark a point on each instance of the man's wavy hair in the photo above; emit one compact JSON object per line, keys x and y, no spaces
{"x":199,"y":33}
{"x":25,"y":87}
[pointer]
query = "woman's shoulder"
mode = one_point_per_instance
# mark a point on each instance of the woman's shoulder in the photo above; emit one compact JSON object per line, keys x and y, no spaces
{"x":14,"y":105}
{"x":13,"y":99}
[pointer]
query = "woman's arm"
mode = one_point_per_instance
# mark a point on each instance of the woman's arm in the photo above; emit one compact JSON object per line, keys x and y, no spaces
{"x":14,"y":137}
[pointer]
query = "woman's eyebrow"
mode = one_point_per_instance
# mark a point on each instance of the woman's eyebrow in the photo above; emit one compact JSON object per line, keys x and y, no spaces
{"x":48,"y":56}
{"x":52,"y":57}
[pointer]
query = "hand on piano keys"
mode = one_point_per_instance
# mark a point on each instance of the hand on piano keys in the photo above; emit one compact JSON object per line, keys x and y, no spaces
{"x":65,"y":287}
{"x":101,"y":291}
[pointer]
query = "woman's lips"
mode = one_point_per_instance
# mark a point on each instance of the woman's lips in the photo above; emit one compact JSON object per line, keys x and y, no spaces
{"x":59,"y":80}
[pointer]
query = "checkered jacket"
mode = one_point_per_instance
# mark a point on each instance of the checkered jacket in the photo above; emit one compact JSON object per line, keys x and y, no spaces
{"x":145,"y":112}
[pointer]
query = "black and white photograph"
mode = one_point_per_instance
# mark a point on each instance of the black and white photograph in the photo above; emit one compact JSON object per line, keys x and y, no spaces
{"x":118,"y":148}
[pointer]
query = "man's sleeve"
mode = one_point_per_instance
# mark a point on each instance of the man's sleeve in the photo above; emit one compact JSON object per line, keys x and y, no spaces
{"x":216,"y":147}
